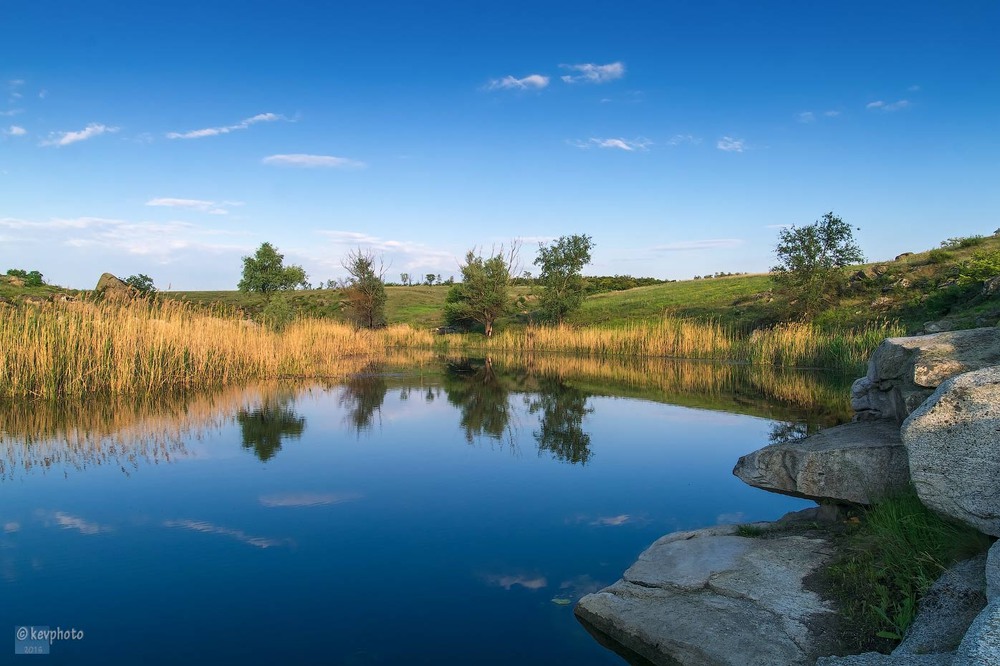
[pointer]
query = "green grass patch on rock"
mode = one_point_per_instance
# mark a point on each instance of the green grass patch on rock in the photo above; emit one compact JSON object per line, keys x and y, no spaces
{"x":890,"y":557}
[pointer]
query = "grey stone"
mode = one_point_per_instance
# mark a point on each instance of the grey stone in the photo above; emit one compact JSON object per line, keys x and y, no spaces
{"x":712,"y":597}
{"x":947,"y":610}
{"x":991,"y":286}
{"x":855,"y":462}
{"x":993,"y":573}
{"x":879,"y":659}
{"x":903,"y":372}
{"x":981,"y":646}
{"x":111,"y":287}
{"x":953,"y":444}
{"x":938,"y":326}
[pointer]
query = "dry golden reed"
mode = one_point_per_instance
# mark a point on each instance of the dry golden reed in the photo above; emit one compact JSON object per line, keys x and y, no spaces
{"x":140,"y":347}
{"x":789,"y":345}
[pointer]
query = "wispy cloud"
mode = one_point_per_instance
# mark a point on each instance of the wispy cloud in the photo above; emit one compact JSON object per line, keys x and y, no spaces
{"x":210,"y":207}
{"x":914,"y":88}
{"x":12,"y":527}
{"x":879,"y":105}
{"x":831,"y":113}
{"x":60,"y":139}
{"x":530,"y":82}
{"x":611,"y":521}
{"x":239,"y":535}
{"x":69,"y":522}
{"x":681,"y":139}
{"x":10,"y":112}
{"x":731,"y":145}
{"x":591,"y":73}
{"x":158,"y":241}
{"x":307,"y":499}
{"x":806,"y":117}
{"x":619,"y":144}
{"x":408,"y":255}
{"x":313,"y":161}
{"x":507,"y":581}
{"x":687,"y":246}
{"x":226,"y":129}
{"x":15,"y":130}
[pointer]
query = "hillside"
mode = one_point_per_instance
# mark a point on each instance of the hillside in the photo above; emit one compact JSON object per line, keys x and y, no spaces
{"x":913,"y":289}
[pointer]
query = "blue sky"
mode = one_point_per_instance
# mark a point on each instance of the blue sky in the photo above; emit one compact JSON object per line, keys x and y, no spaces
{"x":172,"y":139}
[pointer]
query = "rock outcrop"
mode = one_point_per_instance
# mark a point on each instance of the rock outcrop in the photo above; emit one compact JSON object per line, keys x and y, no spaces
{"x":903,"y":372}
{"x":953,"y":445}
{"x":981,"y":645}
{"x":855,"y":462}
{"x":111,"y":287}
{"x":711,"y":597}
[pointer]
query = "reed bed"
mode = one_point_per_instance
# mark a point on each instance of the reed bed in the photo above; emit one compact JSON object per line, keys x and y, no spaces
{"x":788,"y":345}
{"x":141,"y":347}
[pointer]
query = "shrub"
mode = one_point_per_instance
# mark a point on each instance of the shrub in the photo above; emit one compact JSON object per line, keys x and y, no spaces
{"x":939,"y":256}
{"x":983,"y":265}
{"x":961,"y":242}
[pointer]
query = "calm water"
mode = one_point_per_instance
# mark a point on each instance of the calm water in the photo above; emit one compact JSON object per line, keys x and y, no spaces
{"x":422,"y":517}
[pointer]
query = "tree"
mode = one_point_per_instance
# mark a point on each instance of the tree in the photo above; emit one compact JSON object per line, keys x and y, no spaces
{"x":404,"y":278}
{"x":429,"y":278}
{"x":810,"y":259}
{"x":141,"y":283}
{"x":365,"y":289}
{"x":483,"y":296}
{"x":264,"y":272}
{"x":30,"y":278}
{"x":562,"y":285}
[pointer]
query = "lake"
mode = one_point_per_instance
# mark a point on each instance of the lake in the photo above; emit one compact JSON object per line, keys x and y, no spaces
{"x":448,"y":512}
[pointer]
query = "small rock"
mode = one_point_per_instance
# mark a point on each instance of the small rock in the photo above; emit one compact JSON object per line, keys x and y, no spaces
{"x":991,"y":286}
{"x":903,"y":256}
{"x":938,"y":326}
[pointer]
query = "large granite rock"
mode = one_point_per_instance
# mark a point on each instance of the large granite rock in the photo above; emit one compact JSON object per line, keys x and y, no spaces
{"x":113,"y":288}
{"x":711,"y":597}
{"x":879,"y":659}
{"x":953,"y":444}
{"x":993,"y":572}
{"x":947,"y":610}
{"x":903,"y":372}
{"x":856,"y":462}
{"x":981,"y":646}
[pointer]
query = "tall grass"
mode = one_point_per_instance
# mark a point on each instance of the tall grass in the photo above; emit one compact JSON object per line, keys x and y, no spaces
{"x":80,"y":349}
{"x":898,"y":550}
{"x":790,"y":345}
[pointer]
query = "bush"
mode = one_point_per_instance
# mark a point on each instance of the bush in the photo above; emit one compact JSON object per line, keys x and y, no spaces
{"x":277,"y":314}
{"x":983,"y":265}
{"x":939,"y":256}
{"x":141,"y":283}
{"x":31,"y":279}
{"x":961,"y":242}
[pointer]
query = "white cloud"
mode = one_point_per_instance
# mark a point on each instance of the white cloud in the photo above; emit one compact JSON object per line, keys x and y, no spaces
{"x":806,"y":117}
{"x":15,"y":130}
{"x":914,"y":88}
{"x":731,"y":145}
{"x":10,"y":112}
{"x":831,"y":113}
{"x":629,"y":145}
{"x":591,"y":73}
{"x":215,"y":131}
{"x":241,"y":536}
{"x":307,"y":499}
{"x":59,"y":139}
{"x":710,"y":244}
{"x":879,"y":105}
{"x":69,"y":522}
{"x":313,"y":161}
{"x":680,"y":139}
{"x":210,"y":207}
{"x":407,"y":255}
{"x":159,"y":241}
{"x":530,"y":82}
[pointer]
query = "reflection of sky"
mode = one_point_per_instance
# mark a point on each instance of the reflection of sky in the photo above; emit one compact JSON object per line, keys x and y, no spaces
{"x":454,"y":549}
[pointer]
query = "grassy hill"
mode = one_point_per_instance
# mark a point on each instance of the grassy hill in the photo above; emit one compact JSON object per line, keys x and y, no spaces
{"x":912,"y":289}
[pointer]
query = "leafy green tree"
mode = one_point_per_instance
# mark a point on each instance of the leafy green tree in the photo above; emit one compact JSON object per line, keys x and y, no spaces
{"x":810,"y":259}
{"x":264,"y":429}
{"x":429,"y":279}
{"x":561,"y":281}
{"x":405,"y":279}
{"x":265,"y":272}
{"x":141,"y":283}
{"x":30,"y":278}
{"x":560,"y":429}
{"x":365,"y":291}
{"x":483,"y":296}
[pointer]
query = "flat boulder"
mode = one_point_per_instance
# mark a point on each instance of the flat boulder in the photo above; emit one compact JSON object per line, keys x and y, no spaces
{"x":953,"y":445}
{"x":903,"y":372}
{"x":712,"y":597}
{"x":856,"y":462}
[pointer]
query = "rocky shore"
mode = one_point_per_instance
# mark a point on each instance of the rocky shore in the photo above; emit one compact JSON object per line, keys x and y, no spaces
{"x":927,"y":414}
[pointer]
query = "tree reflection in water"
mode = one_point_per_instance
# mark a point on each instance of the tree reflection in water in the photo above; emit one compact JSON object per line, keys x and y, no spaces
{"x":264,"y":428}
{"x":362,"y":396}
{"x":482,"y":396}
{"x":561,"y":428}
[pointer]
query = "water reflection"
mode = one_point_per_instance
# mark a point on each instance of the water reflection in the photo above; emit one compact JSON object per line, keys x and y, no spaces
{"x":265,"y":427}
{"x":482,"y":397}
{"x":549,"y":396}
{"x":561,"y":432}
{"x":362,"y":395}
